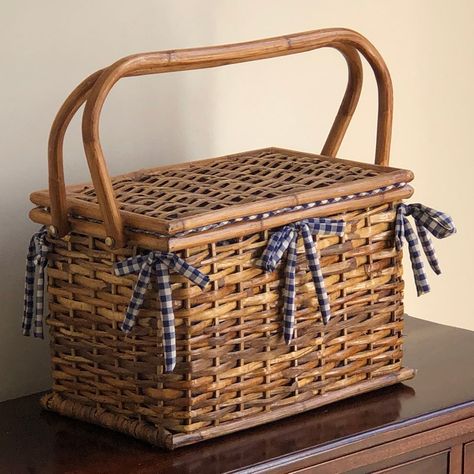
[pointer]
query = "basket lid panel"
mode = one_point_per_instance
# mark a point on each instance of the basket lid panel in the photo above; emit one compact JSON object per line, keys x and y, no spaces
{"x":180,"y":197}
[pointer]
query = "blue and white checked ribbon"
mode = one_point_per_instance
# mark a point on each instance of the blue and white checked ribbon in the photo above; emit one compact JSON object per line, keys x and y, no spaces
{"x":36,"y":262}
{"x":157,"y":264}
{"x":285,"y":240}
{"x":437,"y":223}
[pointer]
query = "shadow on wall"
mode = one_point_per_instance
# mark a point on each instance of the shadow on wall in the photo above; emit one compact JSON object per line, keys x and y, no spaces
{"x":147,"y":121}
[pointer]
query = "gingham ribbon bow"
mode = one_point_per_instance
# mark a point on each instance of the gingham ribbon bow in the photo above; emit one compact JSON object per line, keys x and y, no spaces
{"x":437,"y":223}
{"x":285,"y":240}
{"x":36,"y":261}
{"x":157,"y":264}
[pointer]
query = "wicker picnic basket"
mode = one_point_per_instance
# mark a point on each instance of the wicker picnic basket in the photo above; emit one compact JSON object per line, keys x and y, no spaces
{"x":183,"y":305}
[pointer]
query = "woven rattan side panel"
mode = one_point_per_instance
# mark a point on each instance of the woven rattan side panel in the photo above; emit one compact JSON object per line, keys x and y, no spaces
{"x":240,"y":364}
{"x":232,"y":360}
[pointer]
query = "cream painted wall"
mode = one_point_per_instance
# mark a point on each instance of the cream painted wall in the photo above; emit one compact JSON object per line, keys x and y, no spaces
{"x":48,"y":47}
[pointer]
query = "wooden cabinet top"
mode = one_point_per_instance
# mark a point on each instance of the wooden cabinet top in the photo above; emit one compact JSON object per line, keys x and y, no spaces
{"x":442,"y":392}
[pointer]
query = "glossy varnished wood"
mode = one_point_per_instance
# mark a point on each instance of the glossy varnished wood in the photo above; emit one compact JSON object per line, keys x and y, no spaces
{"x":438,"y":403}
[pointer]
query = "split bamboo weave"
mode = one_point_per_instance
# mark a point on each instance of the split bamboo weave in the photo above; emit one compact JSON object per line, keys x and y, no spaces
{"x":233,"y":370}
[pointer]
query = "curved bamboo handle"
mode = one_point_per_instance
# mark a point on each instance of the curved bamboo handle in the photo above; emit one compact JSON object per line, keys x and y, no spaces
{"x":57,"y":189}
{"x":151,"y":63}
{"x":57,"y":186}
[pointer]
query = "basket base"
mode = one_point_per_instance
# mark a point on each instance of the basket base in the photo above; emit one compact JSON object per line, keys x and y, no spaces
{"x":164,"y":438}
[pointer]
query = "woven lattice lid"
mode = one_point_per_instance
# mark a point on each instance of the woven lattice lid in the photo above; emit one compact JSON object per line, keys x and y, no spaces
{"x":194,"y":194}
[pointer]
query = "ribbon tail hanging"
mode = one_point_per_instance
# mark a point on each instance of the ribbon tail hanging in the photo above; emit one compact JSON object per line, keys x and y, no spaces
{"x":138,"y":295}
{"x":39,"y":300}
{"x":29,"y":299}
{"x":421,"y":281}
{"x":289,"y":292}
{"x":167,"y":315}
{"x":428,"y":249}
{"x":313,"y":257}
{"x":36,"y":263}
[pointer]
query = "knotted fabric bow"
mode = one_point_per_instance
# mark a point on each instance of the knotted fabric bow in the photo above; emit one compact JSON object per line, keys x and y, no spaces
{"x":427,"y":220}
{"x":157,"y":264}
{"x":36,"y":262}
{"x":285,"y":240}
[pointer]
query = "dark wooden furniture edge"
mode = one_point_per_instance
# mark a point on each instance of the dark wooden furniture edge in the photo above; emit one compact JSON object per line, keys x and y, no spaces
{"x":462,"y":414}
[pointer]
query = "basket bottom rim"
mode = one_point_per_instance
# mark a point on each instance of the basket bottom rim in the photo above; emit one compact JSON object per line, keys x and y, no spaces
{"x":159,"y":436}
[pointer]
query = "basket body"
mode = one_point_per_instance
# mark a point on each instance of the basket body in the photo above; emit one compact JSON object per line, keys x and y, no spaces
{"x":234,"y":370}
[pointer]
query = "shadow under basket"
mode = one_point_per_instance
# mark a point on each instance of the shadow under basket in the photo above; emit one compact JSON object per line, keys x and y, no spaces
{"x":232,"y":368}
